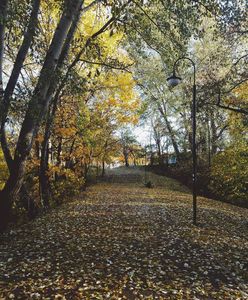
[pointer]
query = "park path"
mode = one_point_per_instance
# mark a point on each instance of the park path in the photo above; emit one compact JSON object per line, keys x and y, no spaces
{"x":120,"y":240}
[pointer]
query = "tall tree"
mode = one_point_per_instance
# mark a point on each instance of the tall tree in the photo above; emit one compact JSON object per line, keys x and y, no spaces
{"x":36,"y":110}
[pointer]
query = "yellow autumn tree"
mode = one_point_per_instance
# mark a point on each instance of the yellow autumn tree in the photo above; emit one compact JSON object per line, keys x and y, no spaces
{"x":230,"y":167}
{"x":99,"y":98}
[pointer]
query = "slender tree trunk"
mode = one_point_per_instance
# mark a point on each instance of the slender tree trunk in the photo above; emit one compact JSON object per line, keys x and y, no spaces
{"x":172,"y":137}
{"x":58,"y":157}
{"x":97,"y":168}
{"x":125,"y":154}
{"x":69,"y":162}
{"x":186,"y":142}
{"x":26,"y":200}
{"x":160,"y":159}
{"x":36,"y":110}
{"x":157,"y":138}
{"x":45,"y":194}
{"x":209,"y":144}
{"x":214,"y":135}
{"x":37,"y":149}
{"x":170,"y":130}
{"x":43,"y":177}
{"x":103,"y":168}
{"x":21,"y":55}
{"x":3,"y":13}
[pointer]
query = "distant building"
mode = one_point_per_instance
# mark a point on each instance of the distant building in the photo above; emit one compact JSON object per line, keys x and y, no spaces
{"x":172,"y":160}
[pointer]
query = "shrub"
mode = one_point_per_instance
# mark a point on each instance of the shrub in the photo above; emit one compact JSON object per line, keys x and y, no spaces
{"x":229,"y":174}
{"x":68,"y":184}
{"x":3,"y":171}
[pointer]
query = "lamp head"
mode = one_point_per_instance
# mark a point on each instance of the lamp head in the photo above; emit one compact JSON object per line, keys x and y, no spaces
{"x":173,"y":80}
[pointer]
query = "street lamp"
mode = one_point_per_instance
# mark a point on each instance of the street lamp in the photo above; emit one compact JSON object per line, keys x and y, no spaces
{"x":174,"y":81}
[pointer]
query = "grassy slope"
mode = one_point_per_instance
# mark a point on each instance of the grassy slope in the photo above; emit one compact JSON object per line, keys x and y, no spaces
{"x":123,"y":241}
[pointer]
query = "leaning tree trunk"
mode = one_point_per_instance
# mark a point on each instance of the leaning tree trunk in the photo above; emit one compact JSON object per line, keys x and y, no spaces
{"x":170,"y":129}
{"x":36,"y":110}
{"x":55,"y":99}
{"x":45,"y":190}
{"x":15,"y":73}
{"x":172,"y":137}
{"x":5,"y":100}
{"x":49,"y":122}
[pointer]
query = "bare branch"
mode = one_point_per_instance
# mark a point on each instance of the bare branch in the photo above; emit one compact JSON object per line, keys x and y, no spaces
{"x":123,"y":68}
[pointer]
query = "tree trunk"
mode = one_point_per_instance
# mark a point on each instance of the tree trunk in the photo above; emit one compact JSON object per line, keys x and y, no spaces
{"x":45,"y":194}
{"x":157,"y":138}
{"x":25,"y":199}
{"x":69,"y":162}
{"x":214,"y":135}
{"x":55,"y":100}
{"x":170,"y":130}
{"x":125,"y":152}
{"x":36,"y":110}
{"x":5,"y":209}
{"x":28,"y":202}
{"x":209,"y":144}
{"x":172,"y":137}
{"x":158,"y":143}
{"x":21,"y":55}
{"x":134,"y":160}
{"x":103,"y":168}
{"x":152,"y":159}
{"x":3,"y":13}
{"x":37,"y":149}
{"x":11,"y":190}
{"x":58,"y":158}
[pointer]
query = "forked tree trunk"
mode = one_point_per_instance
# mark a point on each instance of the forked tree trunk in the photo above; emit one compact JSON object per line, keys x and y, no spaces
{"x":36,"y":110}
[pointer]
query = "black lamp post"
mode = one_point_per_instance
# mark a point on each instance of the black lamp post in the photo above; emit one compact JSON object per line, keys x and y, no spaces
{"x":174,"y":81}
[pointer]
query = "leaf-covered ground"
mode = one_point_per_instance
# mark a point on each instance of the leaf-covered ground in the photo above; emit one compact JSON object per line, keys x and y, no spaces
{"x":124,"y":241}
